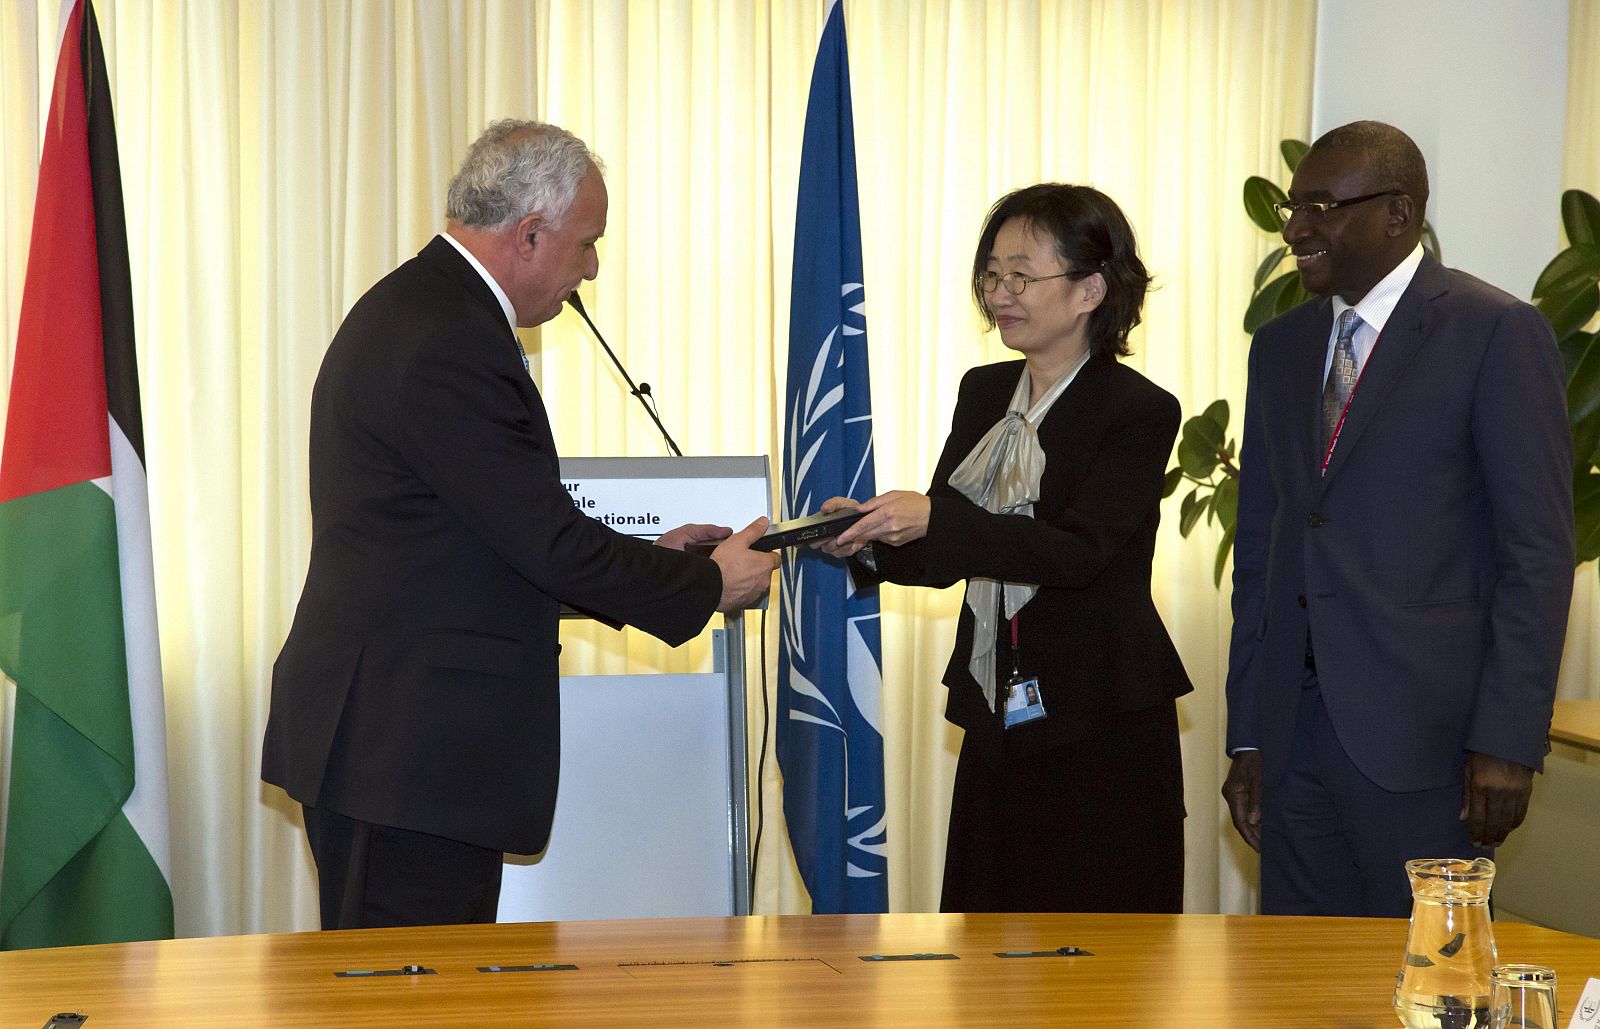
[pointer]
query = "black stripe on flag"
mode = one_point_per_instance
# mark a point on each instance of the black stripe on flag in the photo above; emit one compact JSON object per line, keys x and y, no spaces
{"x":111,"y":236}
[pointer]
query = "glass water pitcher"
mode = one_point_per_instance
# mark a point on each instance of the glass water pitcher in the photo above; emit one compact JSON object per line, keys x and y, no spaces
{"x":1445,"y":980}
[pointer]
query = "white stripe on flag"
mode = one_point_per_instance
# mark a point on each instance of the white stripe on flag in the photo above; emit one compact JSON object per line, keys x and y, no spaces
{"x":8,"y":709}
{"x":146,"y":809}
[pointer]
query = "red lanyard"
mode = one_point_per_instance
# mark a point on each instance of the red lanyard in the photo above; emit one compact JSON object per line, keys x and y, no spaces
{"x":1338,"y":427}
{"x":1016,"y":666}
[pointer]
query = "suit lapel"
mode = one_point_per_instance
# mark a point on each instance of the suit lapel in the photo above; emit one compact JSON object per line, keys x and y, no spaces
{"x":1402,"y":336}
{"x":449,"y":261}
{"x":444,"y":257}
{"x":1081,"y":392}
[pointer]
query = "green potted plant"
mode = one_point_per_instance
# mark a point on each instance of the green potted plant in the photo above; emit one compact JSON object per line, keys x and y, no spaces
{"x":1568,"y":294}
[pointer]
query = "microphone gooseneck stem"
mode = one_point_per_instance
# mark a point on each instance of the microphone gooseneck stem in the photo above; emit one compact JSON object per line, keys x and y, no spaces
{"x":576,"y":304}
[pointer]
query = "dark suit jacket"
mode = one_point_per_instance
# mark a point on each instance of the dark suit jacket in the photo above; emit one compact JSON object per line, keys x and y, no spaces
{"x":418,"y":686}
{"x":1433,"y":563}
{"x":1091,"y":634}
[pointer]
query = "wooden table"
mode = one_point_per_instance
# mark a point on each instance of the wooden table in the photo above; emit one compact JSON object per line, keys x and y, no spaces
{"x":1577,"y":723}
{"x":1146,"y":970}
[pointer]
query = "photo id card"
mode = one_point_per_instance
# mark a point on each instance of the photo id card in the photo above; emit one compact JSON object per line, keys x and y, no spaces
{"x":1024,"y":702}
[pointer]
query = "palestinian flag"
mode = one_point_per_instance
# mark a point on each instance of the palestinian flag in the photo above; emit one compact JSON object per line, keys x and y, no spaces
{"x":85,"y":854}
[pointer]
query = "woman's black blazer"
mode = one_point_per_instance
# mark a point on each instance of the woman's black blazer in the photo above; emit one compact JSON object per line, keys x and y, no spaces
{"x":1091,"y":634}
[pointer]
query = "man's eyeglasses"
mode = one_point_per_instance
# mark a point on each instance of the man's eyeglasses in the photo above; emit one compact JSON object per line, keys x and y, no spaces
{"x":1316,"y":209}
{"x":1016,"y":282}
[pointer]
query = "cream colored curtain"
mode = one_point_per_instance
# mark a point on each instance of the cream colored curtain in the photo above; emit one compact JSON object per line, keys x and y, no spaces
{"x":279,"y":156}
{"x":1580,"y":664}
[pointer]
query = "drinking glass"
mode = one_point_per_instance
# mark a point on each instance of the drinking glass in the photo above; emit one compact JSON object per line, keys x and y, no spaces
{"x":1522,"y":997}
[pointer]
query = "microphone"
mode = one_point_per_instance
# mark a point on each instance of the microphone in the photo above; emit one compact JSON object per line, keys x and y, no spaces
{"x":642,"y":390}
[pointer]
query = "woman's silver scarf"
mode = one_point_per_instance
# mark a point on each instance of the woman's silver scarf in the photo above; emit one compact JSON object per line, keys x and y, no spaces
{"x":1002,"y":475}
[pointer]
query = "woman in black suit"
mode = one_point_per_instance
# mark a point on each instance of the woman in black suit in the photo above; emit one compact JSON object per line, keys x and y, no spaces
{"x":1069,"y":787}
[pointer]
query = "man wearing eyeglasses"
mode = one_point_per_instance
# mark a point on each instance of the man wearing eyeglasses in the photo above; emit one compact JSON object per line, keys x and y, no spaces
{"x":1404,"y":549}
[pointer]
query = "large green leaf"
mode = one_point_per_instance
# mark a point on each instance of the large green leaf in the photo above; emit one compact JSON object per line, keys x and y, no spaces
{"x":1204,"y":434}
{"x":1269,"y":266}
{"x":1263,"y":303}
{"x":1293,"y":150}
{"x":1586,"y":513}
{"x":1582,"y":356}
{"x":1569,"y":312}
{"x":1572,"y":348}
{"x":1580,"y":216}
{"x":1259,"y":196}
{"x":1264,"y":307}
{"x":1575,"y":266}
{"x":1195,"y":457}
{"x":1294,"y":294}
{"x":1223,"y":549}
{"x":1218,"y":413}
{"x":1169,"y":486}
{"x":1190,"y":511}
{"x":1226,"y":502}
{"x":1585,"y":442}
{"x":1583,"y":378}
{"x":1430,"y":241}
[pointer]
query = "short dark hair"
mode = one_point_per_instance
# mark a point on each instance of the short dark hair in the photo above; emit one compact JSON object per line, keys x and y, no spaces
{"x":1091,"y":234}
{"x":1394,"y":157}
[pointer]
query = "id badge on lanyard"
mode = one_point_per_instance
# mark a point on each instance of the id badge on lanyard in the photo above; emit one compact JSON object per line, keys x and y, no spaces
{"x":1024,"y":698}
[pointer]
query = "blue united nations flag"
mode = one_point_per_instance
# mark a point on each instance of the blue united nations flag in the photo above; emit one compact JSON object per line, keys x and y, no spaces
{"x":829,"y":736}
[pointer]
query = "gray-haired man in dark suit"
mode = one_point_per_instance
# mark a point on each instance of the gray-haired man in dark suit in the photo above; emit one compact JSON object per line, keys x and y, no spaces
{"x":415,"y":712}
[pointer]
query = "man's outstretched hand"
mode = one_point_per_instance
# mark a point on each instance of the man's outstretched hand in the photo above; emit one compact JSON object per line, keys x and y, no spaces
{"x":746,"y":573}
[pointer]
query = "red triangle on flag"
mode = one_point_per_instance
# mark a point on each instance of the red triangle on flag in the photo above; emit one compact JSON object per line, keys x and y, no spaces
{"x":57,"y":432}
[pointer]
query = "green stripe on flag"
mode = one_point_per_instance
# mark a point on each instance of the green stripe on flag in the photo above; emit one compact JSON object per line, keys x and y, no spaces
{"x":61,"y":611}
{"x":61,"y":889}
{"x":61,"y":640}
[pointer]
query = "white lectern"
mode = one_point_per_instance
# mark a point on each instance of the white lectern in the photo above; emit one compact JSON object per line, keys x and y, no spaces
{"x":651,"y":815}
